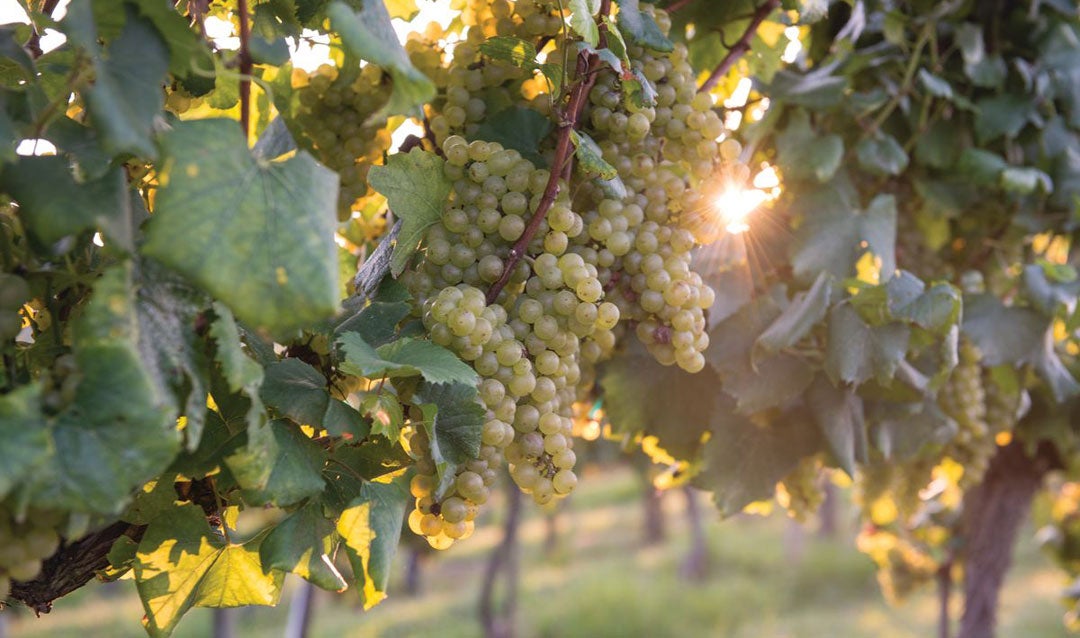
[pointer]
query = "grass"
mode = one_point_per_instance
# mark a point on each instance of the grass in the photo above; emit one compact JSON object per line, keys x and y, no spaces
{"x":601,"y":581}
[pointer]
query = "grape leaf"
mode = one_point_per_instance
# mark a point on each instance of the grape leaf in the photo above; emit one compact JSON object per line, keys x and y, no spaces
{"x":258,"y":236}
{"x":303,"y":543}
{"x":631,"y":383}
{"x":54,"y":205}
{"x":353,"y":466}
{"x":1004,"y":335}
{"x":368,"y":34}
{"x":117,"y":408}
{"x":416,"y":189}
{"x":744,"y":461}
{"x":403,"y":358}
{"x":181,"y":564}
{"x":805,"y":311}
{"x":240,"y":371}
{"x":188,"y":53}
{"x":168,"y":309}
{"x":833,"y":232}
{"x":371,"y":529}
{"x":519,"y":128}
{"x":1000,"y":115}
{"x":590,"y":157}
{"x":582,"y":22}
{"x":903,"y":430}
{"x":457,"y":421}
{"x":294,"y":463}
{"x":298,"y":391}
{"x":855,"y":351}
{"x":881,"y":154}
{"x":26,"y":440}
{"x":803,"y":154}
{"x":838,"y":412}
{"x":756,"y":382}
{"x":518,"y":52}
{"x":640,"y":27}
{"x":126,"y":95}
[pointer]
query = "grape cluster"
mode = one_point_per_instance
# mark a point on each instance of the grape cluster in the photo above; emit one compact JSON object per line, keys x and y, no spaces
{"x":24,"y":544}
{"x":963,"y":398}
{"x":595,"y":265}
{"x":800,"y":491}
{"x":60,"y":384}
{"x":473,"y":81}
{"x":14,"y":292}
{"x":903,"y":565}
{"x":643,"y":242}
{"x":335,"y":112}
{"x":451,"y":518}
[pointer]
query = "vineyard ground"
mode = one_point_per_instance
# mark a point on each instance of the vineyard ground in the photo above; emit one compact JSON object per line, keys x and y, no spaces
{"x":601,"y":581}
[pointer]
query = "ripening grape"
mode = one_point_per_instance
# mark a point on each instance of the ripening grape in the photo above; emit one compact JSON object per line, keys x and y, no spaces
{"x":24,"y":544}
{"x":964,"y":399}
{"x":335,"y":113}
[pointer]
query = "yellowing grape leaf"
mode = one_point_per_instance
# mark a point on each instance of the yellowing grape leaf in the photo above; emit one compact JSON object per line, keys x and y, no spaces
{"x":371,"y":527}
{"x":182,"y":563}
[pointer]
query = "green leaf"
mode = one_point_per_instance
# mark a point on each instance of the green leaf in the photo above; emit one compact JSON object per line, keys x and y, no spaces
{"x":818,"y":89}
{"x":504,"y":48}
{"x":881,"y":154}
{"x":1025,"y":180}
{"x":856,"y":352}
{"x":941,"y":145}
{"x":1004,"y":335}
{"x":26,"y":439}
{"x":416,"y":190}
{"x":117,"y":408}
{"x":582,"y":22}
{"x":258,"y":236}
{"x":187,"y":51}
{"x":936,"y":310}
{"x":54,"y":205}
{"x":835,"y":233}
{"x":982,"y":167}
{"x":240,"y":370}
{"x":839,"y":414}
{"x":802,"y":154}
{"x":368,"y":34}
{"x":84,"y":144}
{"x":126,"y":95}
{"x":744,"y":461}
{"x":519,"y":128}
{"x":458,"y":420}
{"x":631,"y":381}
{"x":904,"y":430}
{"x":167,"y":309}
{"x":371,"y":528}
{"x":181,"y":564}
{"x":294,"y":461}
{"x":353,"y":466}
{"x":377,"y":322}
{"x":590,"y":157}
{"x":386,"y":414}
{"x":935,"y":85}
{"x":640,"y":28}
{"x":1063,"y":385}
{"x":404,"y":358}
{"x":806,"y":310}
{"x":1001,"y":115}
{"x":298,"y":391}
{"x":303,"y":544}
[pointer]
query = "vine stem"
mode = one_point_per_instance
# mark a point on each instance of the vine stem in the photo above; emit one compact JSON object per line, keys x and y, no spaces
{"x":562,"y":161}
{"x":909,"y":76}
{"x":245,"y":67}
{"x":741,"y":46}
{"x":33,"y":45}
